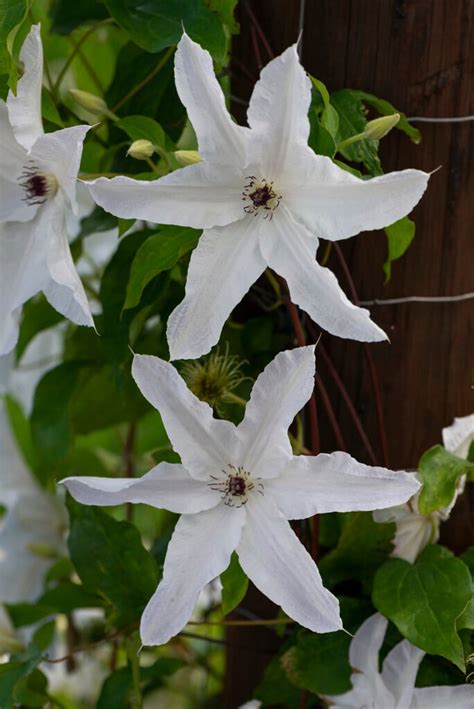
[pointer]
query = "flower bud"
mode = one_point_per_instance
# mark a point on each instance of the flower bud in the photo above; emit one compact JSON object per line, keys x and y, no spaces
{"x":141,"y":149}
{"x":214,"y":377}
{"x":93,"y":104}
{"x":187,"y":157}
{"x":379,"y":127}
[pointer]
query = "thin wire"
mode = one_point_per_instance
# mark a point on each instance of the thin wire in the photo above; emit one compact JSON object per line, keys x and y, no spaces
{"x":419,"y":299}
{"x":427,"y":119}
{"x":300,"y":28}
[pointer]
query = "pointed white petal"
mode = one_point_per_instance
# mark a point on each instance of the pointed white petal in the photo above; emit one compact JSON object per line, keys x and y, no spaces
{"x":13,"y":158}
{"x":290,"y":250}
{"x":22,"y":271}
{"x":414,"y":533}
{"x":280,"y":391}
{"x":458,"y":437}
{"x":25,"y":108}
{"x":199,"y":196}
{"x":220,"y":139}
{"x":278,"y":111}
{"x":166,"y":486}
{"x":338,"y":483}
{"x":400,"y":668}
{"x":199,"y":550}
{"x":60,"y":153}
{"x":225,"y":263}
{"x":36,"y":518}
{"x":456,"y":697}
{"x":366,"y":644}
{"x":278,"y":564}
{"x":204,"y":443}
{"x":63,"y":287}
{"x":334,"y":204}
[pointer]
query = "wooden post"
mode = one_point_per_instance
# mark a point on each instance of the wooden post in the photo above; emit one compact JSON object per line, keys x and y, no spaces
{"x":418,"y":54}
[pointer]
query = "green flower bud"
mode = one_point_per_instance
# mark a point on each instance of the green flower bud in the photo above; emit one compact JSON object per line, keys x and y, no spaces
{"x":141,"y":149}
{"x":214,"y":377}
{"x":187,"y":157}
{"x":94,"y":104}
{"x":379,"y":127}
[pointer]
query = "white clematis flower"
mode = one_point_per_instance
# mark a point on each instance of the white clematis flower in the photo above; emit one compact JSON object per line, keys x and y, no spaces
{"x":38,"y":174}
{"x":236,"y":489}
{"x":415,"y":531}
{"x":394,"y":687}
{"x":263,"y":198}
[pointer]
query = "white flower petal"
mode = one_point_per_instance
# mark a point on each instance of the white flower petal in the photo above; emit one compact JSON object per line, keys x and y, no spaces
{"x":36,"y":518}
{"x":278,"y":112}
{"x":13,"y":158}
{"x":15,"y":477}
{"x":278,"y":564}
{"x":413,"y":534}
{"x":25,"y":108}
{"x":166,"y":486}
{"x":365,"y":646}
{"x":290,"y":250}
{"x":204,"y":443}
{"x":457,"y":697}
{"x":219,"y":138}
{"x":22,"y":271}
{"x":199,"y":550}
{"x":63,"y":287}
{"x":200,"y":196}
{"x":225,"y":263}
{"x":338,"y":483}
{"x":458,"y":437}
{"x":334,"y":204}
{"x":400,"y":668}
{"x":280,"y":391}
{"x":60,"y":153}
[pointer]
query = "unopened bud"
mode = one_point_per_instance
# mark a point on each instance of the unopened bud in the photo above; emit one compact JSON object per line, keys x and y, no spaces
{"x":93,"y":104}
{"x":187,"y":157}
{"x":44,"y":551}
{"x":379,"y":127}
{"x":141,"y":149}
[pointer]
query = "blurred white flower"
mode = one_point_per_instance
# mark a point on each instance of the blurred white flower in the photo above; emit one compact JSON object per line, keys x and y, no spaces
{"x":236,"y":489}
{"x":38,"y":175}
{"x":394,"y":687}
{"x":264,"y":198}
{"x":414,"y":530}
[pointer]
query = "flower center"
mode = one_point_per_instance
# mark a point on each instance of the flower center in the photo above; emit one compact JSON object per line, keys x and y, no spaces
{"x":235,"y":484}
{"x":38,"y":186}
{"x":260,"y":196}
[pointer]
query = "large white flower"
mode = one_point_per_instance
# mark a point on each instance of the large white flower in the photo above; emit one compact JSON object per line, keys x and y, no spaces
{"x":415,"y":531}
{"x":38,"y":174}
{"x":394,"y":687}
{"x":236,"y":489}
{"x":263,"y":198}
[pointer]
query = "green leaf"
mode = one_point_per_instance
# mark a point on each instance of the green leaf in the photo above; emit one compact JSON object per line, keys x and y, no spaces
{"x":67,"y":15}
{"x":158,"y":253}
{"x":51,"y":427}
{"x":362,"y":547}
{"x":320,"y":662}
{"x":400,"y":234}
{"x":111,"y":561}
{"x":440,"y":472}
{"x":425,"y":599}
{"x":234,"y":585}
{"x":20,"y":426}
{"x":320,"y":140}
{"x":37,"y":315}
{"x":276,"y":689}
{"x":352,"y":121}
{"x":49,"y":110}
{"x":116,"y":689}
{"x":156,"y":24}
{"x":12,"y":14}
{"x":22,"y":665}
{"x":142,"y":128}
{"x":385,"y":108}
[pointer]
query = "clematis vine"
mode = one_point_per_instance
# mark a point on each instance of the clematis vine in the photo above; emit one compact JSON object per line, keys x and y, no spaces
{"x":415,"y":531}
{"x":393,"y":687}
{"x":263,"y":198}
{"x":236,"y":489}
{"x":38,"y":174}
